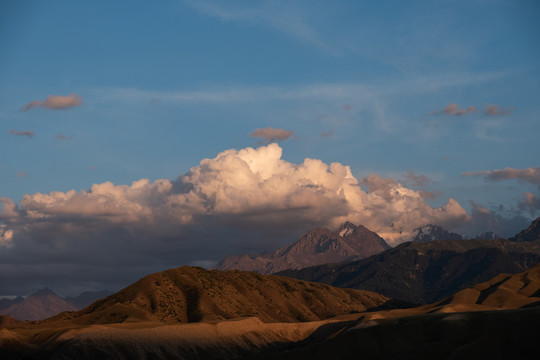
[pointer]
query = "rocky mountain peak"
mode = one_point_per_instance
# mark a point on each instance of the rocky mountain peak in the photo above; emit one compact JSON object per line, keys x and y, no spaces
{"x":432,"y":232}
{"x":347,"y":228}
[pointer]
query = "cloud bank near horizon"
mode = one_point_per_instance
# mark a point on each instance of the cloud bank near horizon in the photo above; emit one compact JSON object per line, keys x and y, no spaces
{"x":238,"y":188}
{"x":241,"y":201}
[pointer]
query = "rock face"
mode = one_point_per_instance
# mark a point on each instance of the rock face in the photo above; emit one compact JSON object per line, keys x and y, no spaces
{"x":191,"y":294}
{"x":318,"y":246}
{"x":532,"y":233}
{"x":426,"y":272}
{"x":39,"y":305}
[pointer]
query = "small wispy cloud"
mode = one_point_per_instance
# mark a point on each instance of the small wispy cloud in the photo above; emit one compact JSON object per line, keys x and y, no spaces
{"x":530,"y":175}
{"x":61,"y":136}
{"x":271,"y":135}
{"x":453,"y":109}
{"x":21,"y":174}
{"x":28,"y":133}
{"x":55,"y":102}
{"x":325,"y":134}
{"x":530,"y":203}
{"x":494,"y":110}
{"x":415,"y":180}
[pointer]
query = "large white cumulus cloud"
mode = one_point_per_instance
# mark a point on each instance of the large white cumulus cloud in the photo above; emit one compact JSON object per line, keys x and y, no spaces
{"x":240,"y":189}
{"x":241,"y":201}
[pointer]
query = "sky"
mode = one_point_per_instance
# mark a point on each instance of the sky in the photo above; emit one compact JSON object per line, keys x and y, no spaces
{"x":139,"y":136}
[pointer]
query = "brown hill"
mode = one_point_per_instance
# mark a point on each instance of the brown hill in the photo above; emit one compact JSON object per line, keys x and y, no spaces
{"x":40,"y":305}
{"x":318,"y":246}
{"x":504,"y":291}
{"x":192,"y":294}
{"x":424,"y":332}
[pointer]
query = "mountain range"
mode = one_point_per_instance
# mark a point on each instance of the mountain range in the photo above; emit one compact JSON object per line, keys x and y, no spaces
{"x":421,"y":273}
{"x":321,"y":246}
{"x":317,"y":246}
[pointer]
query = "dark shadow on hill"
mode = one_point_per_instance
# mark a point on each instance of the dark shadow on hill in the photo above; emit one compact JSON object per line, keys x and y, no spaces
{"x":505,"y":334}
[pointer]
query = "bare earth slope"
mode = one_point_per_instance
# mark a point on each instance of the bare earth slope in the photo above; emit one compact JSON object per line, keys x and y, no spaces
{"x":192,"y":294}
{"x":430,"y":331}
{"x":318,"y":246}
{"x":498,"y":319}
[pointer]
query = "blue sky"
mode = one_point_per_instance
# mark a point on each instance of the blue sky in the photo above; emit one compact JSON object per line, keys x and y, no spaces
{"x":440,"y":96}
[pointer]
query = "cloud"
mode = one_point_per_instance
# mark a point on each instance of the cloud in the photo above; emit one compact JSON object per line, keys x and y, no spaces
{"x":61,"y":136}
{"x":530,"y":175}
{"x":454,"y":110}
{"x":55,"y":102}
{"x":484,"y":219}
{"x":29,"y":133}
{"x":248,"y":189}
{"x":530,"y":203}
{"x":240,"y":201}
{"x":413,"y":180}
{"x":270,"y":134}
{"x":280,"y":15}
{"x":493,"y":110}
{"x":329,"y":133}
{"x":21,"y":174}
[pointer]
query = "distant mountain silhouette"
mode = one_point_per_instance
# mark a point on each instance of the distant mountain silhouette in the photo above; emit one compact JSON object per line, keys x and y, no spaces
{"x":317,"y":246}
{"x":191,"y":294}
{"x":40,"y":305}
{"x":425,"y":272}
{"x":532,"y":233}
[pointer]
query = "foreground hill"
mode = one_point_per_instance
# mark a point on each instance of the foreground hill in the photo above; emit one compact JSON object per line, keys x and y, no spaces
{"x":463,"y":326}
{"x":426,"y":272}
{"x":318,"y":246}
{"x":431,"y":331}
{"x":505,"y":291}
{"x":191,"y":294}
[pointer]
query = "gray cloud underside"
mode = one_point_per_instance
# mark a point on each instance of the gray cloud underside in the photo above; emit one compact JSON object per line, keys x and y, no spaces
{"x":241,"y":201}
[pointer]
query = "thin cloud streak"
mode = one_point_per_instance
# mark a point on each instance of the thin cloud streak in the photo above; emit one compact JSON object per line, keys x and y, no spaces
{"x":530,"y":175}
{"x":28,"y":133}
{"x":55,"y":102}
{"x":495,"y":110}
{"x":282,"y":16}
{"x":321,"y":91}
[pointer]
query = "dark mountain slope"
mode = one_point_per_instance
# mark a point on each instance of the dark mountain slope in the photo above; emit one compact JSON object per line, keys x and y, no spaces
{"x":532,"y":233}
{"x":425,"y":272}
